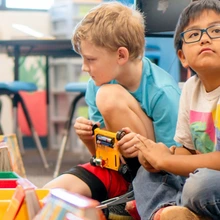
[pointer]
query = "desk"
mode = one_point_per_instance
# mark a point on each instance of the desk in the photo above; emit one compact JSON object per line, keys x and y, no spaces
{"x":59,"y":48}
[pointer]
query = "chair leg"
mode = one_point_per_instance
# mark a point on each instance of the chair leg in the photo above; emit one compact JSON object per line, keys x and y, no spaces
{"x":17,"y":129}
{"x":20,"y":140}
{"x":33,"y":132}
{"x":66,"y":132}
{"x":1,"y":130}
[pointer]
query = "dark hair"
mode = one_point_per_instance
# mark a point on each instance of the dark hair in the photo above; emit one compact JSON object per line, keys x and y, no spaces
{"x":190,"y":13}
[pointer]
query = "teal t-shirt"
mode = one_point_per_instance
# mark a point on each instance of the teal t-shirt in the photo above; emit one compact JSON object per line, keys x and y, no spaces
{"x":158,"y":95}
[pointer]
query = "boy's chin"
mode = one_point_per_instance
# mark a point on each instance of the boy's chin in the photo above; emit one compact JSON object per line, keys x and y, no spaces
{"x":100,"y":83}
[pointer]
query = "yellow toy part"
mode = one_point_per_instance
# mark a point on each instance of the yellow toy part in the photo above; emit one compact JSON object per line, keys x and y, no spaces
{"x":107,"y":153}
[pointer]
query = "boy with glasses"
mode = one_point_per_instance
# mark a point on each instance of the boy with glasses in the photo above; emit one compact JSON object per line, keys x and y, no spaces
{"x":188,"y":184}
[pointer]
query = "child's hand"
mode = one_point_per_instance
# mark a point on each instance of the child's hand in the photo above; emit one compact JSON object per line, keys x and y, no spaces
{"x":83,"y":128}
{"x":146,"y":164}
{"x":153,"y":152}
{"x":126,"y":144}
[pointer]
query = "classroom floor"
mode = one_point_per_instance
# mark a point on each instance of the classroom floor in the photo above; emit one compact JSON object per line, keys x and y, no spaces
{"x":35,"y":170}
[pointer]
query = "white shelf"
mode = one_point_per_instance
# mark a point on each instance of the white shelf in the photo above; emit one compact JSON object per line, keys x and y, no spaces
{"x":60,"y":61}
{"x":65,"y":15}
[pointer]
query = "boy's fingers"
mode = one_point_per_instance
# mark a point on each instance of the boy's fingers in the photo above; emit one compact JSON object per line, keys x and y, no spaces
{"x":144,"y":140}
{"x":141,"y":138}
{"x":140,"y":146}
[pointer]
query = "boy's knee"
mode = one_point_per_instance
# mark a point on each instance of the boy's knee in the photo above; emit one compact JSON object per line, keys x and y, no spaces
{"x":107,"y":96}
{"x":196,"y":186}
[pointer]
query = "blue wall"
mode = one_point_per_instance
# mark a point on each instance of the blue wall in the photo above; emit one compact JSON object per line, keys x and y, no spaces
{"x":168,"y":58}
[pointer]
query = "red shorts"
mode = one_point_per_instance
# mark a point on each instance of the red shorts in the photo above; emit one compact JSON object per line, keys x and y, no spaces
{"x":114,"y":182}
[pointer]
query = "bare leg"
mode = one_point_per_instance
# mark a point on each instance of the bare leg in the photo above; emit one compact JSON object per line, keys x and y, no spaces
{"x":70,"y":183}
{"x":120,"y":109}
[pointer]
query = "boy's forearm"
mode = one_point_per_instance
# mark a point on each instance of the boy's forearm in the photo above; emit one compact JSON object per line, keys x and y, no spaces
{"x":178,"y":164}
{"x":184,"y":151}
{"x":185,"y":164}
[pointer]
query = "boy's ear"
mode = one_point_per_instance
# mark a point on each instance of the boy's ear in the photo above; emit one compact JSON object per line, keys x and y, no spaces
{"x":123,"y":55}
{"x":182,"y":59}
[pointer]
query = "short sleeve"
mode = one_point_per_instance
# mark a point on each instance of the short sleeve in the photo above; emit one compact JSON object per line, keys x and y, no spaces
{"x":165,"y":105}
{"x":183,"y":133}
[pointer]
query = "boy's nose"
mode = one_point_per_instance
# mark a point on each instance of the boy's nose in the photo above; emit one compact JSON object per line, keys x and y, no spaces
{"x":85,"y":68}
{"x":205,"y":38}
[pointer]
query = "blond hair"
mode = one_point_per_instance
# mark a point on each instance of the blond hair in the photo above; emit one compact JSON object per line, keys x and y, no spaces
{"x":112,"y":25}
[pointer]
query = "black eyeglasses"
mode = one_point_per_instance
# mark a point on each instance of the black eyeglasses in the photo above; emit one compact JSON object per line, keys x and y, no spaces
{"x":195,"y":35}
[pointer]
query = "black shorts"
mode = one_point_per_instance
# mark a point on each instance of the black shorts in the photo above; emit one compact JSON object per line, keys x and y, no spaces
{"x":96,"y":186}
{"x":103,"y":183}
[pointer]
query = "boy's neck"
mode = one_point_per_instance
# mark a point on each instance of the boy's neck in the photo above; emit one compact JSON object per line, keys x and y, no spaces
{"x":210,"y":81}
{"x":131,"y":76}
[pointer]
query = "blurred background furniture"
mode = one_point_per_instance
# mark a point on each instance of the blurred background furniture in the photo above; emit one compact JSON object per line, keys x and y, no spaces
{"x":64,"y":15}
{"x":80,"y":89}
{"x":1,"y":130}
{"x":12,"y":89}
{"x":47,"y":48}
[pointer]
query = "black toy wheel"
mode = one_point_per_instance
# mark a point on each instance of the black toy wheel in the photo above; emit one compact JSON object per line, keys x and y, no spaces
{"x":94,"y":127}
{"x":120,"y":134}
{"x":92,"y":162}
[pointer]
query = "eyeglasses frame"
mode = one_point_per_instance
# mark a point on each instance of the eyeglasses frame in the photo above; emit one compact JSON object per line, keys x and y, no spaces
{"x":204,"y":30}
